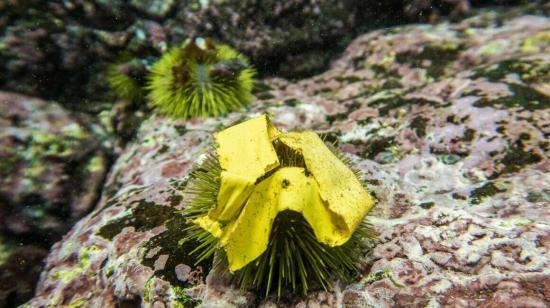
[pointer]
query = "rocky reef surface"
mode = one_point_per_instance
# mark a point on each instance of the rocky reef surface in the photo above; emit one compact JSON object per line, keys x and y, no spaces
{"x":450,"y":124}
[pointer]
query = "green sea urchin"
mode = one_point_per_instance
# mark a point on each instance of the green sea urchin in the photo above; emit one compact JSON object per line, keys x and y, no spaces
{"x":295,"y":258}
{"x":126,"y":77}
{"x":200,"y":78}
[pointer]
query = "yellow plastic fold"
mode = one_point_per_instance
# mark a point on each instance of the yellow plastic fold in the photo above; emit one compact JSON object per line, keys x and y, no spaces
{"x":329,"y":196}
{"x":245,"y":154}
{"x":339,"y":187}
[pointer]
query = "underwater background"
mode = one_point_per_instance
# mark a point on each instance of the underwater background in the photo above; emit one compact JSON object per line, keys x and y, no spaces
{"x":106,"y":107}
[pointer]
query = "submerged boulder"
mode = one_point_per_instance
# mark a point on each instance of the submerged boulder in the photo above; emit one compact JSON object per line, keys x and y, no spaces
{"x":450,"y":124}
{"x":52,"y":167}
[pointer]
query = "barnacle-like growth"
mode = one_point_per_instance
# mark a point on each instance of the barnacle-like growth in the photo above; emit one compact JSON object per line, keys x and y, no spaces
{"x":126,"y":77}
{"x":280,"y":210}
{"x":200,"y":78}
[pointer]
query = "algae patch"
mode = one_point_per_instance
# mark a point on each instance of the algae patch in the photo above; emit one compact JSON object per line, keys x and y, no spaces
{"x":385,"y":105}
{"x":486,"y":190}
{"x":418,"y":125}
{"x":145,"y":216}
{"x":517,"y":157}
{"x":84,"y":261}
{"x":438,"y":57}
{"x":523,"y":97}
{"x":170,"y":243}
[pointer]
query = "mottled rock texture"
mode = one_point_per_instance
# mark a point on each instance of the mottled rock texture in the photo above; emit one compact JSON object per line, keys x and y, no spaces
{"x":52,"y":168}
{"x":450,"y":124}
{"x":60,"y":49}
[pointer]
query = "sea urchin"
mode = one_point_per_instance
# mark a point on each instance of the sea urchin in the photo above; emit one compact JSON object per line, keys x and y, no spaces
{"x":126,"y":77}
{"x":281,"y":211}
{"x":200,"y":78}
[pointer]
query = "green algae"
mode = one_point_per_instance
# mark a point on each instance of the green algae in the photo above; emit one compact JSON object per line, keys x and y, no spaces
{"x":427,"y":205}
{"x":468,"y":136}
{"x":516,"y":158}
{"x":175,"y":199}
{"x":379,"y":275}
{"x":348,"y":79}
{"x":458,"y":196}
{"x":171,"y":242}
{"x":46,"y":144}
{"x":381,"y":70}
{"x":523,"y":97}
{"x":292,"y":102}
{"x":537,"y":196}
{"x":43,"y":147}
{"x":84,"y":261}
{"x":79,"y":303}
{"x":146,"y":294}
{"x":440,"y":56}
{"x":449,"y":159}
{"x":5,"y":251}
{"x":516,"y":222}
{"x":529,"y":71}
{"x":536,"y":43}
{"x":494,"y":47}
{"x":161,"y":151}
{"x":145,"y":216}
{"x":385,"y":105}
{"x":182,"y":300}
{"x":178,"y":296}
{"x":96,"y":164}
{"x":378,"y":145}
{"x":418,"y":125}
{"x":486,"y":190}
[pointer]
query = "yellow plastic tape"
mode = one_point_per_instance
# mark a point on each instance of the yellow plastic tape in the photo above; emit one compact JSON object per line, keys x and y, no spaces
{"x":329,"y":196}
{"x":338,"y":185}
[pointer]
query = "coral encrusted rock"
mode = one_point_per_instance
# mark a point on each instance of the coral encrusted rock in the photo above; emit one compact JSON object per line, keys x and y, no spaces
{"x":450,"y":124}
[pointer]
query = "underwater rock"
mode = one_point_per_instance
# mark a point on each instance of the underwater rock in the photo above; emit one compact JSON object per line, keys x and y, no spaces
{"x":51,"y":171}
{"x":450,"y":124}
{"x":52,"y":167}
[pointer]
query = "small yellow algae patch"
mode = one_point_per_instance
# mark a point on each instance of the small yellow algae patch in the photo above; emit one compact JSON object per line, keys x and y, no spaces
{"x":84,"y":262}
{"x":536,"y":43}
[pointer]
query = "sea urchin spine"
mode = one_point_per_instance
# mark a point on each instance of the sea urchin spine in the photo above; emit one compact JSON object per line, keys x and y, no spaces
{"x":126,"y":77}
